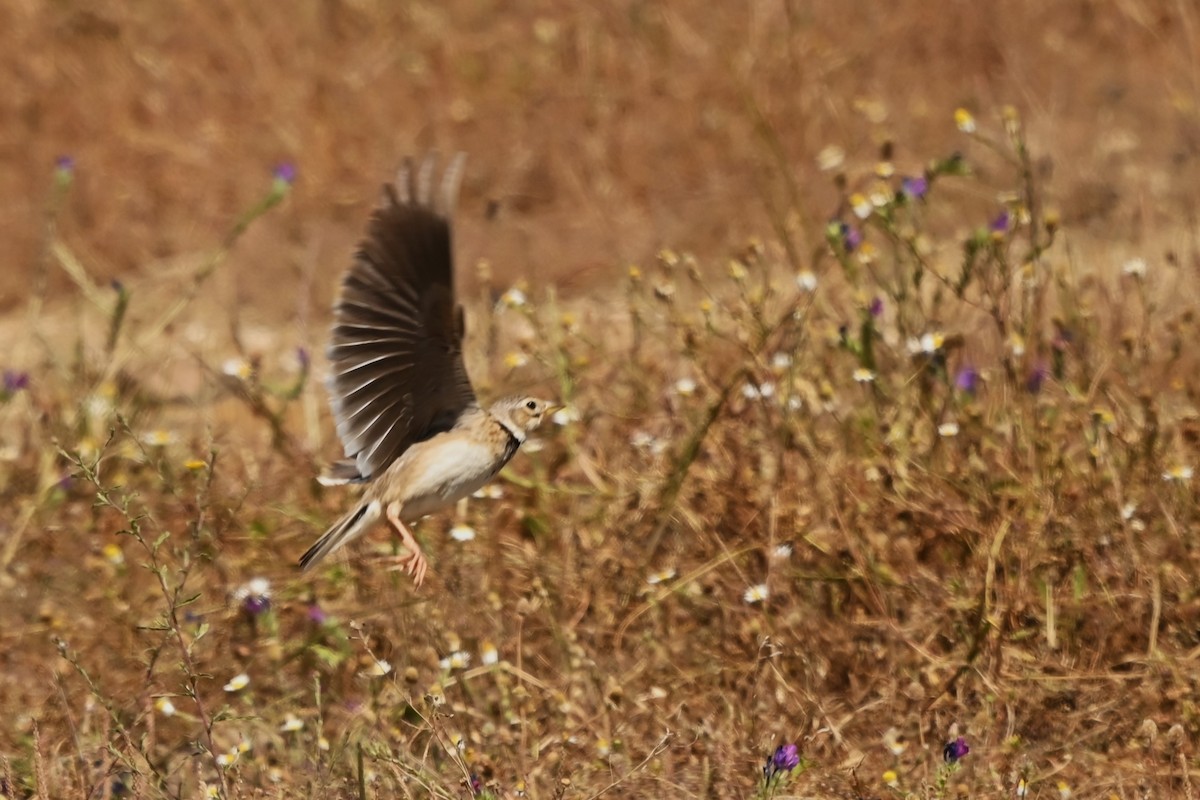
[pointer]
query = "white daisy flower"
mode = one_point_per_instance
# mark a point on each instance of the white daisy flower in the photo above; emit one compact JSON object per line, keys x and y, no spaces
{"x":807,"y":281}
{"x":661,"y":576}
{"x":378,"y":669}
{"x":238,"y":368}
{"x":165,"y":707}
{"x":514,"y":298}
{"x":237,"y":683}
{"x":830,"y":158}
{"x":291,"y":724}
{"x":685,"y":387}
{"x":1135,"y":267}
{"x":462,"y":533}
{"x":948,"y":429}
{"x":756,"y":594}
{"x":565,"y":416}
{"x":459,"y":659}
{"x":488,"y":654}
{"x":781,"y":551}
{"x":929,"y":343}
{"x":862,"y":375}
{"x":646,"y":441}
{"x":159,"y":438}
{"x":1178,"y":473}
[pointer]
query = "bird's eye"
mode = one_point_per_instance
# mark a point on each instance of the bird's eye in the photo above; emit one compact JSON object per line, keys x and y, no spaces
{"x":531,"y":405}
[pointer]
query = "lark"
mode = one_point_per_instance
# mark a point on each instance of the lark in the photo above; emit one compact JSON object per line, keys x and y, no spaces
{"x":411,"y":426}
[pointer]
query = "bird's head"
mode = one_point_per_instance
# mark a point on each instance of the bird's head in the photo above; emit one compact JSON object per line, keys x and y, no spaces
{"x":522,"y":414}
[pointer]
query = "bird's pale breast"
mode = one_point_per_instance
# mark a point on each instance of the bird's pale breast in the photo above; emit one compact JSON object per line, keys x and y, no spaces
{"x":442,"y":470}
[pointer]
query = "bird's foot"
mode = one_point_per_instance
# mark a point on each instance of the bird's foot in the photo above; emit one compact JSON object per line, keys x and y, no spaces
{"x":413,"y":563}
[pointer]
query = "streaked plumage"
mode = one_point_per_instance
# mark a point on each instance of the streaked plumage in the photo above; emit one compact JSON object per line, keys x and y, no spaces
{"x":405,"y":411}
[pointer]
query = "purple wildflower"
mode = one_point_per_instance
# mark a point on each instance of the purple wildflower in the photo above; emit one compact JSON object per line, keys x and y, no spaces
{"x":785,"y":759}
{"x":256,"y":604}
{"x":15,"y":381}
{"x":285,"y":173}
{"x":64,"y":164}
{"x":316,"y":614}
{"x":64,"y":483}
{"x":967,"y":380}
{"x":851,"y":237}
{"x":955,"y":750}
{"x":303,"y":357}
{"x":476,"y":785}
{"x":914,"y":188}
{"x":254,"y":596}
{"x":876,"y":307}
{"x":1001,"y":223}
{"x":1033,"y":384}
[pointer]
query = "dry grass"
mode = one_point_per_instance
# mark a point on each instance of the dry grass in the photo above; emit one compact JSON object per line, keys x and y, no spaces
{"x":1009,"y":558}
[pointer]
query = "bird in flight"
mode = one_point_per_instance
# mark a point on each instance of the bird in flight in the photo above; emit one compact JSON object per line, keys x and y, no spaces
{"x":411,"y":427}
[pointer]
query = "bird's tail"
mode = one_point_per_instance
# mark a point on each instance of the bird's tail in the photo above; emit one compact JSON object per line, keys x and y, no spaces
{"x":344,"y":530}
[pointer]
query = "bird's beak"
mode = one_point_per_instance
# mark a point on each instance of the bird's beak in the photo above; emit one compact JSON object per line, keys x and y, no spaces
{"x":555,"y":407}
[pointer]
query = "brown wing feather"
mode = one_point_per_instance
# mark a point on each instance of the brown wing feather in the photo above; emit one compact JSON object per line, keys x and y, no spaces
{"x":396,"y":352}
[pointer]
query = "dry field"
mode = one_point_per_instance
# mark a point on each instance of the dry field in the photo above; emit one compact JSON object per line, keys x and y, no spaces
{"x":870,"y":320}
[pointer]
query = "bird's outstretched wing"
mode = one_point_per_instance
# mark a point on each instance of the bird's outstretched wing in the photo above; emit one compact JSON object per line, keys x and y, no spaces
{"x":396,"y":350}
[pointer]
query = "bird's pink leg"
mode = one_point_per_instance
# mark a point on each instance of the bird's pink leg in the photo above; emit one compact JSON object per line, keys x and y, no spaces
{"x":413,"y":562}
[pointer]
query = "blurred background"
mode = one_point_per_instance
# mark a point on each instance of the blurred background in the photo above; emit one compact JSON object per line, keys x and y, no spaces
{"x":871,"y":511}
{"x":597,"y":133}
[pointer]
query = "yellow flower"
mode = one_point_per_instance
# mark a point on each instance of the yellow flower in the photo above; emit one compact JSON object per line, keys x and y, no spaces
{"x":113,"y":554}
{"x":860,"y":205}
{"x":866,"y":253}
{"x":891,"y":778}
{"x":195,"y":464}
{"x":964,"y":121}
{"x":1016,"y":344}
{"x":635,"y":272}
{"x":515,"y":360}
